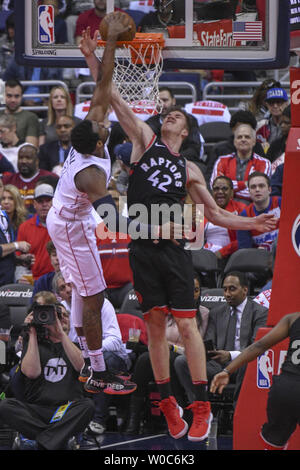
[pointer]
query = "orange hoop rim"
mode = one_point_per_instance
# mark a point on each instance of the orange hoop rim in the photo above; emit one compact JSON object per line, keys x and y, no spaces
{"x":140,"y":39}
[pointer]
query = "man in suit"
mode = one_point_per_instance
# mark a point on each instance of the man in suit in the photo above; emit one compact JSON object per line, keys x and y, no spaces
{"x":231,"y":329}
{"x":53,"y":154}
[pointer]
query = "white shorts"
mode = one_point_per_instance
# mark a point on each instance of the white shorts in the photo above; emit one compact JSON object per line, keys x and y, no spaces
{"x":78,"y":255}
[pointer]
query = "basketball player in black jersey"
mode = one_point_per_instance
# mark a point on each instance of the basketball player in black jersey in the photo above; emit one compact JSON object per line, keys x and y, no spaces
{"x":283,"y":406}
{"x":162,"y":270}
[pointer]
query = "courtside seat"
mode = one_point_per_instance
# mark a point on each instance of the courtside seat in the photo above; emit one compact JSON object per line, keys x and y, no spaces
{"x":131,"y":304}
{"x":248,"y":260}
{"x":211,"y":298}
{"x":253,"y":261}
{"x":215,"y":131}
{"x":205,"y":264}
{"x":16,"y":294}
{"x":18,"y":298}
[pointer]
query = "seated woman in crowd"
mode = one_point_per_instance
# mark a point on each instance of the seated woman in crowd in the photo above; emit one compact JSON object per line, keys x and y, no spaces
{"x":13,"y":204}
{"x":60,"y":104}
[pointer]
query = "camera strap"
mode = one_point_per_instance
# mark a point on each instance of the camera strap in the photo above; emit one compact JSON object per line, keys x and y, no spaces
{"x":60,"y":411}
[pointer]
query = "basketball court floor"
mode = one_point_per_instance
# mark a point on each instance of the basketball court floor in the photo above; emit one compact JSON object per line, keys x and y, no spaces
{"x":156,"y":442}
{"x":114,"y":441}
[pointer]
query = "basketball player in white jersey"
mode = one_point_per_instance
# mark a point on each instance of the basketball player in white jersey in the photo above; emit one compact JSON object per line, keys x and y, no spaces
{"x":71,"y":224}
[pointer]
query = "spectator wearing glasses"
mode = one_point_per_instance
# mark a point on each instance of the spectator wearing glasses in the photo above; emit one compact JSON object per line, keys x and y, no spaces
{"x":222,"y":241}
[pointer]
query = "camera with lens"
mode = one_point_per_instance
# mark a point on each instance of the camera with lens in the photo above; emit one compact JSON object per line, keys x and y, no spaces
{"x":45,"y":314}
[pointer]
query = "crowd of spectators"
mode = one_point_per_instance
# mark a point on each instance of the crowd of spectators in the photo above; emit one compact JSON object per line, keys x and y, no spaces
{"x":244,"y":173}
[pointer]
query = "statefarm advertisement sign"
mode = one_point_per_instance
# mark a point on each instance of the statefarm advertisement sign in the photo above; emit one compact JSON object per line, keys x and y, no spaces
{"x":216,"y":34}
{"x":222,"y":33}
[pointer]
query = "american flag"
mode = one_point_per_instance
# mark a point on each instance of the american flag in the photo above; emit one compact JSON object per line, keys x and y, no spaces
{"x":247,"y":31}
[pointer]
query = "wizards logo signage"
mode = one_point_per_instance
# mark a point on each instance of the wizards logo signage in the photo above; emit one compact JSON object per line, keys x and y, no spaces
{"x":296,"y":235}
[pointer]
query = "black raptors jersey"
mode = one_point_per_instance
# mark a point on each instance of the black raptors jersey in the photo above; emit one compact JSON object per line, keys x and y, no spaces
{"x":159,"y":177}
{"x":292,"y":361}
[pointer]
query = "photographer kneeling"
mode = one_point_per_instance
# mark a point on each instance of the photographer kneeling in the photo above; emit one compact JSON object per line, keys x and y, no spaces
{"x":54,"y":407}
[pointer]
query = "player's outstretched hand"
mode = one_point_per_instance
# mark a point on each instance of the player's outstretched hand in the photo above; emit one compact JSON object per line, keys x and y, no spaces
{"x":265,"y":223}
{"x":219,"y":381}
{"x":88,"y":44}
{"x":118,"y":23}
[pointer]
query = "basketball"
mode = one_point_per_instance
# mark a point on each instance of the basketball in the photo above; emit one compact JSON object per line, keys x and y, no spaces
{"x":126,"y":36}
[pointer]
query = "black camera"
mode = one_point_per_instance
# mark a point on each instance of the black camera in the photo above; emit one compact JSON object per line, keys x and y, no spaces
{"x":45,"y":314}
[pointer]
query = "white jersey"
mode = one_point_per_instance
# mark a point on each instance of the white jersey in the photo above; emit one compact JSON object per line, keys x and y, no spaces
{"x":69,"y":202}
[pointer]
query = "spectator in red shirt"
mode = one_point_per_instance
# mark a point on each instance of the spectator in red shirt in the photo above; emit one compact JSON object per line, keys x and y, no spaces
{"x":92,"y":18}
{"x":35,"y":232}
{"x":241,"y":163}
{"x":28,"y":175}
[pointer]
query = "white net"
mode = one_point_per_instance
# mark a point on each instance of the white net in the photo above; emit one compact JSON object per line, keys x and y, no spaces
{"x":138,"y":67}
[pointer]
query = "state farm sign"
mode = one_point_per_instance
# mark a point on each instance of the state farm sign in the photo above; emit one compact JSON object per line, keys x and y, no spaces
{"x":216,"y":34}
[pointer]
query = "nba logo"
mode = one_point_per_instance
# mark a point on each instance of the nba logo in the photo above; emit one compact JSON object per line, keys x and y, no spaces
{"x":265,"y":369}
{"x":46,"y":24}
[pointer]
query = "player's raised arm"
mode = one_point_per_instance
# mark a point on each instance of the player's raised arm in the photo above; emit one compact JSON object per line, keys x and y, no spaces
{"x":139,"y":133}
{"x":117,"y":24}
{"x":88,"y":46}
{"x":200,"y":195}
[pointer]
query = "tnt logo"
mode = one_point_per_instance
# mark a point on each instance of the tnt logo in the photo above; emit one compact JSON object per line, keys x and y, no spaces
{"x":55,"y":370}
{"x":296,"y":235}
{"x":46,"y":24}
{"x":265,"y":369}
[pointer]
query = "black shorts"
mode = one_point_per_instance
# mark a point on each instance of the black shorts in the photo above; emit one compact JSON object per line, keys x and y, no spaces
{"x":163,"y":277}
{"x":283,"y":409}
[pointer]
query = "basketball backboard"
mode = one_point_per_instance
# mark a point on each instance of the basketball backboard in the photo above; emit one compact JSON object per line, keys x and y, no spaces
{"x":195,"y":38}
{"x":295,"y":26}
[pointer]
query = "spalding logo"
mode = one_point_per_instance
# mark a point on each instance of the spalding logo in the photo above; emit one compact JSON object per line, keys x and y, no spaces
{"x":296,"y":235}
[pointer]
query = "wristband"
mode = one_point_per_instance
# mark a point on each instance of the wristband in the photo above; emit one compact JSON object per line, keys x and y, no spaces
{"x":227,"y":371}
{"x":16,"y":245}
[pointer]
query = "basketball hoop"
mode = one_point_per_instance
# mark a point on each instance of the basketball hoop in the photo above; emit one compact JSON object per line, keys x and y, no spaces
{"x":138,"y":66}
